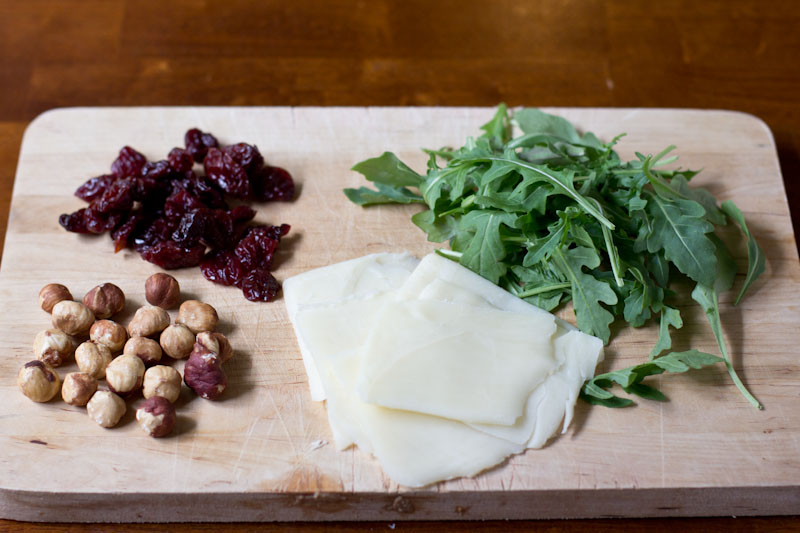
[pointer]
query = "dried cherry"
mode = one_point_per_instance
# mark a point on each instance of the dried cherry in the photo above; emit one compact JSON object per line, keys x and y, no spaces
{"x":176,"y":218}
{"x":197,"y":143}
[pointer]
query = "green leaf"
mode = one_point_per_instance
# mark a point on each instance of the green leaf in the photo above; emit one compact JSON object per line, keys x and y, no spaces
{"x":630,"y":378}
{"x":389,"y":170}
{"x":384,"y":195}
{"x":483,"y":250}
{"x":439,"y":229}
{"x":702,"y":197}
{"x":498,"y":130}
{"x":537,"y":122}
{"x":679,"y":229}
{"x":756,"y":262}
{"x":669,"y":317}
{"x":587,"y":291}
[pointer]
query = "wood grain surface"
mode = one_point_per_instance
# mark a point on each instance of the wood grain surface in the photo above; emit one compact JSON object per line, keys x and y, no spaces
{"x":739,"y":54}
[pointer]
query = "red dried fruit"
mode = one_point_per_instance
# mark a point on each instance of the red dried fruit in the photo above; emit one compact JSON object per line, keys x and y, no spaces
{"x":180,"y":160}
{"x":170,"y":255}
{"x":229,"y":175}
{"x":129,"y":162}
{"x":197,"y":143}
{"x":95,"y":187}
{"x":260,"y":286}
{"x":273,"y":183}
{"x":176,"y":218}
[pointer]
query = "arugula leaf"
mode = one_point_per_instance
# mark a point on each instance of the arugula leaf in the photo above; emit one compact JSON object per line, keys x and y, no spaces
{"x":384,"y":195}
{"x":389,"y":170}
{"x":536,"y":122}
{"x":669,"y":317}
{"x":594,"y":391}
{"x":756,"y":263}
{"x":484,"y":250}
{"x":439,"y":229}
{"x":679,"y":229}
{"x":587,"y":291}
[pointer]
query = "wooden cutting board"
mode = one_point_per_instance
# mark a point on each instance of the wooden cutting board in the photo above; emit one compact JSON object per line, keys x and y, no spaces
{"x":265,"y":451}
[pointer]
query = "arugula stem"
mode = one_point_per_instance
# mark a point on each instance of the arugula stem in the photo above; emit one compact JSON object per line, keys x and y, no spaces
{"x":543,"y":288}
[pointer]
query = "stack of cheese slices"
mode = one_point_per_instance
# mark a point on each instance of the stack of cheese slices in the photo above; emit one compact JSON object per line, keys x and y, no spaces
{"x":434,"y":370}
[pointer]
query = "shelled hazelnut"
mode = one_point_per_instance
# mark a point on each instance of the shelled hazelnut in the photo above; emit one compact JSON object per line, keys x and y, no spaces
{"x":73,"y":318}
{"x":38,"y":381}
{"x":145,"y":349}
{"x":78,"y":388}
{"x":216,"y":342}
{"x":197,"y":316}
{"x":109,"y":333}
{"x":147,"y":321}
{"x":177,"y":341}
{"x":125,"y":374}
{"x":53,"y":346}
{"x":156,"y":416}
{"x":162,"y":381}
{"x":162,"y":290}
{"x":93,"y":358}
{"x":51,"y":294}
{"x":105,"y":300}
{"x":203,"y":372}
{"x":106,"y":408}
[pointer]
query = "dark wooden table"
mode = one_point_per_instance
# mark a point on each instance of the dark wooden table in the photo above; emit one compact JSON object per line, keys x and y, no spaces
{"x":726,"y":54}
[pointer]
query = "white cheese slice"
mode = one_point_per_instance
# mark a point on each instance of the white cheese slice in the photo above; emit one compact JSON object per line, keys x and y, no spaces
{"x":467,"y":363}
{"x":352,"y":280}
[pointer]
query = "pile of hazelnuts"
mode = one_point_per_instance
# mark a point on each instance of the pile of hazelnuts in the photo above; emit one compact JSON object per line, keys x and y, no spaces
{"x":128,"y":359}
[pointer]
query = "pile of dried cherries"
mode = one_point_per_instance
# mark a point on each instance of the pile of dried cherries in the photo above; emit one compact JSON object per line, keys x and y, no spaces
{"x":176,"y":218}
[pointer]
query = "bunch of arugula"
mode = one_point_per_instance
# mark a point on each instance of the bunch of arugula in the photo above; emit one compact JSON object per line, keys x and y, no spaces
{"x":553,"y":215}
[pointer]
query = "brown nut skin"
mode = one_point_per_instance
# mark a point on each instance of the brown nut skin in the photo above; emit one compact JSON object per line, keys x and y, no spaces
{"x":125,"y":375}
{"x":78,"y":388}
{"x":73,"y":318}
{"x":197,"y":316}
{"x":53,"y":346}
{"x":177,"y":341}
{"x":215,"y":342}
{"x":106,"y":408}
{"x":105,"y":300}
{"x":110,"y":334}
{"x":162,"y":290}
{"x":145,"y":349}
{"x":156,"y":416}
{"x":51,"y":294}
{"x":93,"y":358}
{"x":148,"y":320}
{"x":162,"y":381}
{"x":38,"y":381}
{"x":204,"y":375}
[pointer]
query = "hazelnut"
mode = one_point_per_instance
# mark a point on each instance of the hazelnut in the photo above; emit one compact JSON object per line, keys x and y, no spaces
{"x":203,"y":373}
{"x":53,"y":346}
{"x":105,"y":300}
{"x":51,"y":294}
{"x":38,"y":381}
{"x":156,"y":416}
{"x":145,"y":349}
{"x":162,"y":290}
{"x":125,"y":374}
{"x":162,"y":381}
{"x":217,"y":343}
{"x":73,"y":318}
{"x":109,"y":333}
{"x":147,"y":321}
{"x":197,"y":316}
{"x":106,"y":408}
{"x":93,"y":358}
{"x":78,"y":387}
{"x":177,"y":341}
